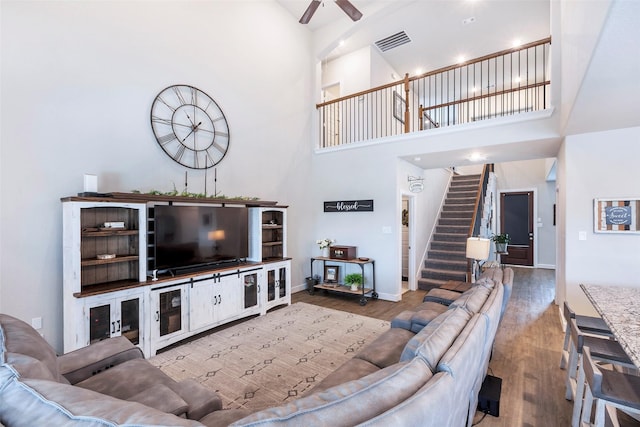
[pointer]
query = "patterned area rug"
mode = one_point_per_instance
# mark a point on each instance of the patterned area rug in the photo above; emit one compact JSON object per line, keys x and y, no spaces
{"x":268,"y":360}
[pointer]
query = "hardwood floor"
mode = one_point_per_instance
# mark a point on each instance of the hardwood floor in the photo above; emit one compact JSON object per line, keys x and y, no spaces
{"x":526,"y":353}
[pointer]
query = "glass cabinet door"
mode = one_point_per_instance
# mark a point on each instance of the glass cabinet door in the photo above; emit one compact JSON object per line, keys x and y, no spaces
{"x":271,"y":285}
{"x":282,"y":282}
{"x":129,"y":323}
{"x":100,"y":323}
{"x":250,"y":290}
{"x":170,"y":312}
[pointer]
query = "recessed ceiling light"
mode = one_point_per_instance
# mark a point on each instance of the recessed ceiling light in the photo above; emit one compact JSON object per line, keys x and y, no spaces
{"x":417,"y":159}
{"x":341,"y":43}
{"x":477,"y":157}
{"x":516,"y":43}
{"x":418,"y":71}
{"x":461,"y":59}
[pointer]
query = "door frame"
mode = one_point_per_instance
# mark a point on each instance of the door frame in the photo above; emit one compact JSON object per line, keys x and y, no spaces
{"x":411,"y":267}
{"x":534,"y":193}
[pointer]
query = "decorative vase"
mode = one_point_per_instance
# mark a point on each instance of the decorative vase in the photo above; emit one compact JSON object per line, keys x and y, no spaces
{"x":354,"y":287}
{"x":325,"y":252}
{"x":501,"y":247}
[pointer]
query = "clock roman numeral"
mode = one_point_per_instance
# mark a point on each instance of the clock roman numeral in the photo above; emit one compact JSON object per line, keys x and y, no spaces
{"x":179,"y":96}
{"x":165,"y":103}
{"x":160,"y":120}
{"x":194,"y":95}
{"x":167,"y":138}
{"x":179,"y":153}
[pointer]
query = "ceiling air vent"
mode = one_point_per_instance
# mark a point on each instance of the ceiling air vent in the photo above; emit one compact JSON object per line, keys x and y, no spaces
{"x":393,"y":41}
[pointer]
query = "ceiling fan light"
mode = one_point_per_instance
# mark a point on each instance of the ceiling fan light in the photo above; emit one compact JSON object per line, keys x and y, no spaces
{"x":311,"y":9}
{"x":349,"y":9}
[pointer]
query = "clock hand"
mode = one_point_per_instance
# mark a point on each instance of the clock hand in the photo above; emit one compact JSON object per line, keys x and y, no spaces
{"x":194,"y":129}
{"x":188,"y":117}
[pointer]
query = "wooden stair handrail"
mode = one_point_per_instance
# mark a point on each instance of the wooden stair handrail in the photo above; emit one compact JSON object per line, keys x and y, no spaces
{"x":485,"y":172}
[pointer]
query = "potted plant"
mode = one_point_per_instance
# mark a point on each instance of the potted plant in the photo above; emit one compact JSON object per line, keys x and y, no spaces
{"x":501,"y":241}
{"x":354,"y":280}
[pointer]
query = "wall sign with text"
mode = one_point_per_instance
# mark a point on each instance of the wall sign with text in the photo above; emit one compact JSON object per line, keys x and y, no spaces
{"x":349,"y":206}
{"x":617,"y":216}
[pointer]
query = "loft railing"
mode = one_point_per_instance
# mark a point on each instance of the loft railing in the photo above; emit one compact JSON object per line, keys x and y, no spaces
{"x":505,"y":83}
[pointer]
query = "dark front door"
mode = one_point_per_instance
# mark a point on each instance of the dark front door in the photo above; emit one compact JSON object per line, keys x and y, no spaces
{"x":516,"y":219}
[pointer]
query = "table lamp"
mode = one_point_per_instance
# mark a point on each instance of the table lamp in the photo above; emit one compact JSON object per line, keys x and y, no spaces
{"x":477,"y":249}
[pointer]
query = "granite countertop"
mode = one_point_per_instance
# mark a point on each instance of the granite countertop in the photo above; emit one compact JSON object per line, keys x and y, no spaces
{"x":620,"y":309}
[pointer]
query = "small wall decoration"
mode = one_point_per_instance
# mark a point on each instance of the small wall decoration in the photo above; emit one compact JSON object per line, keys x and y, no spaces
{"x":398,"y":106}
{"x":349,"y":206}
{"x":616,"y":215}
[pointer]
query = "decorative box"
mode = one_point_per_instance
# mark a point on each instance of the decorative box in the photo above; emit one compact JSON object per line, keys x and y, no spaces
{"x":342,"y":252}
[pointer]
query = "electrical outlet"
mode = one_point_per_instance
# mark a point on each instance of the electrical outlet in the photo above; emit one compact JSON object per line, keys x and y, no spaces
{"x":36,"y":323}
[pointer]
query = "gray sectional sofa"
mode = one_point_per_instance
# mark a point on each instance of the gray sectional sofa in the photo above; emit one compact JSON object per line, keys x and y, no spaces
{"x":426,"y":370}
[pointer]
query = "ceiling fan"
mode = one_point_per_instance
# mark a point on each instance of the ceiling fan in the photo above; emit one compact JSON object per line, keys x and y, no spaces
{"x":345,"y":5}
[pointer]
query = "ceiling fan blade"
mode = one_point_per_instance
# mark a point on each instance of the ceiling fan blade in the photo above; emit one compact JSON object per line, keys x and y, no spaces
{"x":306,"y":16}
{"x":349,"y":9}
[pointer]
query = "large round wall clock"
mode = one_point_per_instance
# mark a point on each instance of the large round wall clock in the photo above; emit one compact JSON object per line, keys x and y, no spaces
{"x":190,"y":127}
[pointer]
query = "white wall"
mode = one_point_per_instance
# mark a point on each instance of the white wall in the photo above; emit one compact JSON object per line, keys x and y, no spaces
{"x":527,"y":175}
{"x":597,"y":165}
{"x":78,"y":80}
{"x":351,"y":71}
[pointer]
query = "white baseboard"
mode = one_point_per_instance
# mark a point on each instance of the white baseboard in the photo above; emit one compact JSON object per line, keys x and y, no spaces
{"x":546,"y":266}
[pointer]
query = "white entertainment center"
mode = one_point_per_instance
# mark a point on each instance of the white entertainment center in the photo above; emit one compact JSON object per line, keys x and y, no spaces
{"x":111,"y":287}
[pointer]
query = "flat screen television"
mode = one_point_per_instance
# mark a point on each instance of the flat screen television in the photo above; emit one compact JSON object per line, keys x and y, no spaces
{"x":196,"y":236}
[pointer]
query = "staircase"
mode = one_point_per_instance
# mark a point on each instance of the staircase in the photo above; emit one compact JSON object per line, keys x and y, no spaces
{"x":446,"y":258}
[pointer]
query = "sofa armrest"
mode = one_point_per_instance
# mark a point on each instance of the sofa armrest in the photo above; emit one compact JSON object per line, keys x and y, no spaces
{"x":85,"y":362}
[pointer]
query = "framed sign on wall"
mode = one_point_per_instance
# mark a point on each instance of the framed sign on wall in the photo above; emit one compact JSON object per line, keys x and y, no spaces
{"x":349,"y":206}
{"x":616,"y":215}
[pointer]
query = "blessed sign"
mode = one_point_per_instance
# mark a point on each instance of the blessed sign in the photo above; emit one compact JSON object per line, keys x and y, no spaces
{"x":349,"y":206}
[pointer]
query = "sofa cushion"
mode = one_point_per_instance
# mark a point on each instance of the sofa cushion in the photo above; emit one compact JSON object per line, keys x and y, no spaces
{"x":350,"y":403}
{"x":137,"y":375}
{"x":441,"y":296}
{"x":422,"y":318}
{"x":30,"y":402}
{"x":28,"y":367}
{"x":201,"y":399}
{"x":352,"y":369}
{"x":436,"y":338}
{"x":403,"y":320}
{"x":432,"y":402}
{"x":463,"y":362}
{"x":473,"y":299}
{"x":162,"y":398}
{"x":224,"y":417}
{"x":387,"y":348}
{"x":19,"y":337}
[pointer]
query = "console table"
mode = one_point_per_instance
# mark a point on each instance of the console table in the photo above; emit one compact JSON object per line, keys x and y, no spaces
{"x":335,"y":287}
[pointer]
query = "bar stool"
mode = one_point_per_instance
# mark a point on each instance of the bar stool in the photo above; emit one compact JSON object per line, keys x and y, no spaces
{"x":587,"y":324}
{"x":605,"y":387}
{"x":602,"y":349}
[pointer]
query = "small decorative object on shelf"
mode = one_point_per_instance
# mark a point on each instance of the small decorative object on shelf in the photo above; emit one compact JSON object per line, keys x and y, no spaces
{"x":324,"y":245}
{"x":501,"y":241}
{"x":354,"y":280}
{"x":342,"y":252}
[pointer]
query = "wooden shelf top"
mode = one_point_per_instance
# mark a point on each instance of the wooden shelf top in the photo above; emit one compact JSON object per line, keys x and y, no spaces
{"x":116,"y":197}
{"x":350,"y":261}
